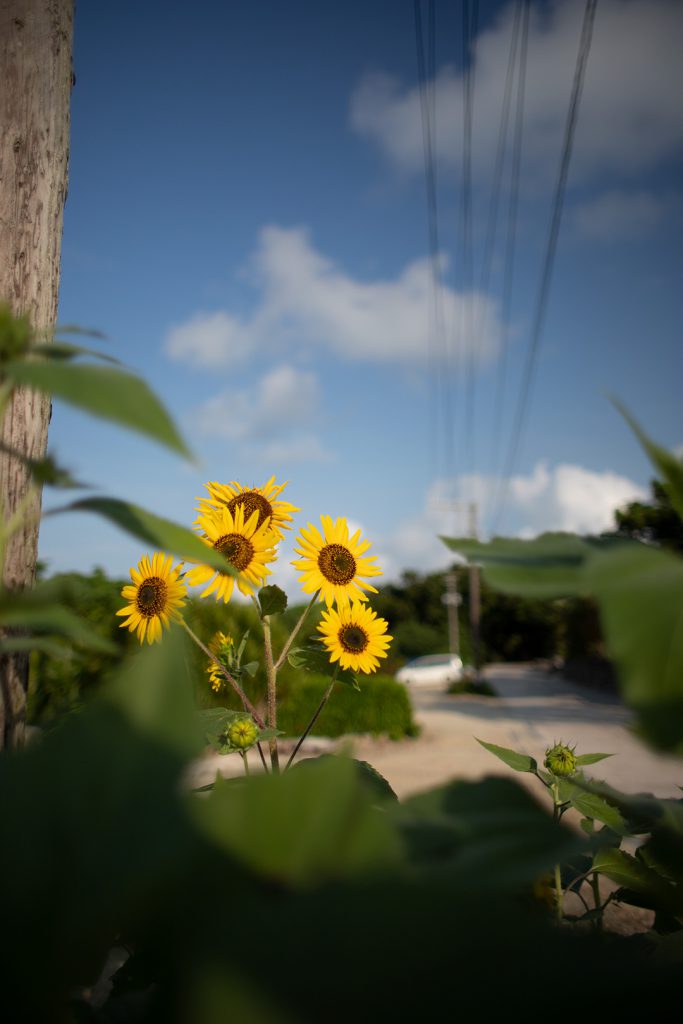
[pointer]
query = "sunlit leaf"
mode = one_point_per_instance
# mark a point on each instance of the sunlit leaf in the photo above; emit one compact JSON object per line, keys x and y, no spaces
{"x":300,"y":827}
{"x":104,"y":392}
{"x":369,"y":776}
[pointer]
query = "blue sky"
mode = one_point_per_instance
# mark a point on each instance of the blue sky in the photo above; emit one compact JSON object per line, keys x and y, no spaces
{"x":247,"y":223}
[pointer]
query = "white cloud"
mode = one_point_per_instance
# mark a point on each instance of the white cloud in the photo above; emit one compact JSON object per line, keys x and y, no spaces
{"x":566,"y":497}
{"x":618,"y":214}
{"x":209,"y":340}
{"x":307,"y":302}
{"x":630,"y":117}
{"x":299,"y":448}
{"x":283,"y":399}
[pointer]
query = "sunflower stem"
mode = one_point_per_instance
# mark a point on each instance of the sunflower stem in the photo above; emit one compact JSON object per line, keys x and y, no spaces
{"x":246,"y":703}
{"x":292,"y":636}
{"x":271,"y":678}
{"x":321,"y":705}
{"x":245,"y":762}
{"x":557,"y":814}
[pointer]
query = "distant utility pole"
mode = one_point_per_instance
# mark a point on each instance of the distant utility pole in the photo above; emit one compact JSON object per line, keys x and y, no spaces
{"x":475,"y":596}
{"x":452,"y":599}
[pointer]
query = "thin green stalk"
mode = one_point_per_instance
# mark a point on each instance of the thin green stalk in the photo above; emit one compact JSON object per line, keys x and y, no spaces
{"x":292,"y":636}
{"x":312,"y":722}
{"x":595,"y":886}
{"x":248,"y":706}
{"x":271,"y":680}
{"x":558,"y":874}
{"x":245,"y":762}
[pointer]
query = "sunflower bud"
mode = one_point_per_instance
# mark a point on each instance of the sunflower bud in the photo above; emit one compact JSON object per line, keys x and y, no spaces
{"x":560,"y":760}
{"x":242,"y":733}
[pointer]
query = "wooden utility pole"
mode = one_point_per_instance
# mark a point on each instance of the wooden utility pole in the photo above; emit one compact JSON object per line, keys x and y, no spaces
{"x":36,"y":38}
{"x":475,"y":597}
{"x":452,"y":600}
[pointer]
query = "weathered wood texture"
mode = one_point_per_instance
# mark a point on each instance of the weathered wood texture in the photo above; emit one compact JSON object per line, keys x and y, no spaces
{"x":35,"y":89}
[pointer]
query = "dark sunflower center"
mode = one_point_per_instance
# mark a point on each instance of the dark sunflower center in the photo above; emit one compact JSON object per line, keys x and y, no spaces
{"x":151,"y":596}
{"x":238,"y":550}
{"x":353,"y":638}
{"x":337,"y":564}
{"x":251,"y":501}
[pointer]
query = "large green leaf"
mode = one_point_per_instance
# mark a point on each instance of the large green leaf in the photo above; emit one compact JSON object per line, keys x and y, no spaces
{"x":161,"y":534}
{"x":549,"y":566}
{"x":95,"y":834}
{"x":634,"y":874}
{"x":154,"y":691}
{"x":640,"y":593}
{"x":104,"y":392}
{"x":489,"y":835}
{"x":668,"y":467}
{"x":64,"y":350}
{"x":520,"y":762}
{"x":301,"y":827}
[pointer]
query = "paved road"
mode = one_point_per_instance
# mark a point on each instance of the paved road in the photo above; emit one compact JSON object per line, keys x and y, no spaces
{"x":533,"y":710}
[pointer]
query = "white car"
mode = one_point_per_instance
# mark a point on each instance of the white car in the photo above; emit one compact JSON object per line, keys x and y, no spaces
{"x":431,"y":670}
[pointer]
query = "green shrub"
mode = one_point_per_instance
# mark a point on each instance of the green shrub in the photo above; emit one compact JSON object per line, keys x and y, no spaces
{"x":382,"y":708}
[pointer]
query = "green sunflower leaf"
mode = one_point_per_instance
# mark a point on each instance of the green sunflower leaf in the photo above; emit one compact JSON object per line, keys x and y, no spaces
{"x":44,"y":471}
{"x":273,"y":601}
{"x":27,"y":644}
{"x":64,"y":351}
{"x":104,"y":392}
{"x":520,"y":762}
{"x":591,"y":804}
{"x":161,"y":534}
{"x":27,"y":611}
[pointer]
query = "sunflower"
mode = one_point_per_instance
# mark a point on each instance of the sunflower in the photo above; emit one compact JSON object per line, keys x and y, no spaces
{"x":154,"y":597}
{"x":251,"y":499}
{"x":221,"y":644}
{"x":333,"y":564}
{"x":354,"y":636}
{"x":247,"y":546}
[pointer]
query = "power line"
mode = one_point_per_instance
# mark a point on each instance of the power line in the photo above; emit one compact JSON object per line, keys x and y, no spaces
{"x":470,"y":14}
{"x":440,"y":406}
{"x":551,"y":247}
{"x":511,"y":233}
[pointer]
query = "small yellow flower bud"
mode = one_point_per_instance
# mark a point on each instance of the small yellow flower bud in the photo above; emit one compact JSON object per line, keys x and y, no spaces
{"x":560,"y":760}
{"x":242,"y":733}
